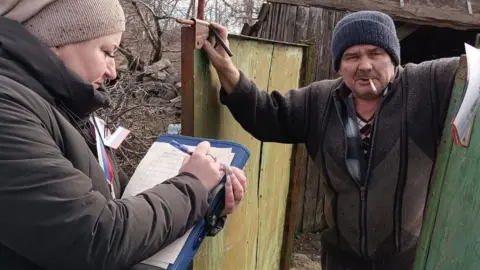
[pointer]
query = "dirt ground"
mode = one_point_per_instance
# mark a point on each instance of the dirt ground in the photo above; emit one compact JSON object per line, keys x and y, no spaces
{"x":306,"y":252}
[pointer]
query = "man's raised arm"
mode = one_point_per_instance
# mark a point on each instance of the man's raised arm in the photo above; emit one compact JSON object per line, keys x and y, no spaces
{"x":267,"y":116}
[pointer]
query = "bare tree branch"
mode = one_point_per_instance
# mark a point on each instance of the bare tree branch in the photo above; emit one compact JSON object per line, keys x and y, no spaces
{"x":145,"y":24}
{"x":146,"y":100}
{"x":134,"y":62}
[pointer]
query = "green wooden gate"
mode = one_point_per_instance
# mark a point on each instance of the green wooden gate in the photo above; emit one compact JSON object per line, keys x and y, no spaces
{"x":450,"y":236}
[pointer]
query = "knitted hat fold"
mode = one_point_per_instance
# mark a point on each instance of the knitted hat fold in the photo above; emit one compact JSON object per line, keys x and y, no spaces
{"x":61,"y":22}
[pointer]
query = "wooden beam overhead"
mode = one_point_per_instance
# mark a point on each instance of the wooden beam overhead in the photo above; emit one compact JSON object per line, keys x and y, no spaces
{"x":405,"y":30}
{"x":477,"y":41}
{"x":442,"y":13}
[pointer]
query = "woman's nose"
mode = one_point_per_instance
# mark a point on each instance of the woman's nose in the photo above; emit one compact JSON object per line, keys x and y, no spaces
{"x":111,"y":72}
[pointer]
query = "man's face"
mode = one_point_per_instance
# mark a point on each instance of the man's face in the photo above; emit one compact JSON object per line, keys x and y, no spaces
{"x":360,"y":63}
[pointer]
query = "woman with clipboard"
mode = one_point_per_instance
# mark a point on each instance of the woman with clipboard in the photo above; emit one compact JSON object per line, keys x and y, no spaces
{"x":59,"y":209}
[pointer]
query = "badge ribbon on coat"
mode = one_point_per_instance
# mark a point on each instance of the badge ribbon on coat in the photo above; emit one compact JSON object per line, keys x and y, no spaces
{"x":102,"y":155}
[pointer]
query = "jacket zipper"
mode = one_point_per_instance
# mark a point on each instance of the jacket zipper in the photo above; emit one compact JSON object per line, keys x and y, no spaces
{"x":363,"y":188}
{"x":402,"y":174}
{"x":363,"y":227}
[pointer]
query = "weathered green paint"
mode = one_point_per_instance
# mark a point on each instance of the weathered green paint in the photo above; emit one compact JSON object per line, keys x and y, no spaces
{"x":450,"y":236}
{"x":298,"y":169}
{"x":252,"y":237}
{"x":275,"y":165}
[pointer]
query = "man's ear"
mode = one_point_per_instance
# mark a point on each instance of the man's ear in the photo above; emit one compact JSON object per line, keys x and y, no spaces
{"x":339,"y":72}
{"x":395,"y":73}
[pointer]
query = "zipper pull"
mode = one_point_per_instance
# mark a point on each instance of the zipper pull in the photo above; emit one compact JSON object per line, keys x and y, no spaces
{"x":112,"y":190}
{"x":362,"y":193}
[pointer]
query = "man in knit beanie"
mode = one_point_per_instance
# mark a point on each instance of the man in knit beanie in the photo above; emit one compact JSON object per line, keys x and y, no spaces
{"x":372,"y":133}
{"x":367,"y":27}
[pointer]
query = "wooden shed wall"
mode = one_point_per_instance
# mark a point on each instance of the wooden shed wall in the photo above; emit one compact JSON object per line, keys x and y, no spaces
{"x":292,"y":23}
{"x":458,"y":14}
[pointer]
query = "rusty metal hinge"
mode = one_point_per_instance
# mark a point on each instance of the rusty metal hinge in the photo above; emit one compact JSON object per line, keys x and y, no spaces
{"x":203,"y":30}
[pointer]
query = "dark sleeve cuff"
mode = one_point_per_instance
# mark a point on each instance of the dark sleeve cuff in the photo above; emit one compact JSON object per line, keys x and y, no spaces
{"x":243,"y":86}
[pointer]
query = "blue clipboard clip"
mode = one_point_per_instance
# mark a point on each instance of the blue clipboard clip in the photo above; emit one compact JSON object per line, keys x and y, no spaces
{"x":213,"y":221}
{"x":214,"y":211}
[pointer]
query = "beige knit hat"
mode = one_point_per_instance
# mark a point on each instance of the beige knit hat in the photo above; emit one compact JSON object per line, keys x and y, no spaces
{"x":61,"y":22}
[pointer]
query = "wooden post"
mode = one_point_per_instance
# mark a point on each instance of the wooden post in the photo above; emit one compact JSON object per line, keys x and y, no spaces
{"x":298,"y":168}
{"x":188,"y":86}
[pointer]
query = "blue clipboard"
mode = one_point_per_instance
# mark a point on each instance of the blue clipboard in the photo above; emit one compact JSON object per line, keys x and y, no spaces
{"x":201,"y":229}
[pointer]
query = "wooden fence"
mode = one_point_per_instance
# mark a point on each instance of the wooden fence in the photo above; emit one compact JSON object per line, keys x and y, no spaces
{"x":254,"y":235}
{"x":292,"y":23}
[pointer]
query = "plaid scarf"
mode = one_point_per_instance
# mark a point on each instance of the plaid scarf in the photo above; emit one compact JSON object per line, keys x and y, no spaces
{"x":356,"y":147}
{"x":366,"y":127}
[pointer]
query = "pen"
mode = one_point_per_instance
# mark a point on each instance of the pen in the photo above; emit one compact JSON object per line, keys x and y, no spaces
{"x":225,"y":168}
{"x":221,"y":41}
{"x":211,"y":29}
{"x":181,"y":147}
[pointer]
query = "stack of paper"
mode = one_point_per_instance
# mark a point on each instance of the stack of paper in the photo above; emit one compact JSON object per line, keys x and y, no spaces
{"x":163,"y":161}
{"x":463,"y":121}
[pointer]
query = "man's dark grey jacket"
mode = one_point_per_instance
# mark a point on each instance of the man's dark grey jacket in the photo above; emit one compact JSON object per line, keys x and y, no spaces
{"x":56,"y":211}
{"x":379,"y":219}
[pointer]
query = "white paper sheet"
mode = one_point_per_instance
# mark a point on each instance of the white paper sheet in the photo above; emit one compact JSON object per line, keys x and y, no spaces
{"x":163,"y":161}
{"x":169,"y":254}
{"x":469,"y":107}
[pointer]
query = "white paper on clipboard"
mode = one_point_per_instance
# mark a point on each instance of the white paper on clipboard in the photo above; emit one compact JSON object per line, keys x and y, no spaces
{"x":162,"y":162}
{"x":463,"y":122}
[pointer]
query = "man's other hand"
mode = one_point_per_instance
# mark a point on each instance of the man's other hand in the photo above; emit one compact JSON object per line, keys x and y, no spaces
{"x":226,"y":70}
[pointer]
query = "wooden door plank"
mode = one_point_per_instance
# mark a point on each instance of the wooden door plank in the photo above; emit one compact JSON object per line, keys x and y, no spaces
{"x":294,"y":210}
{"x":289,"y":31}
{"x":310,"y":197}
{"x":236,"y":244}
{"x":301,"y":24}
{"x":276,"y":161}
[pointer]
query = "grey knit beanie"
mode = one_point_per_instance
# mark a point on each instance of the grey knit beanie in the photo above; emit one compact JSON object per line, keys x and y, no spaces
{"x":365,"y":27}
{"x":61,"y":22}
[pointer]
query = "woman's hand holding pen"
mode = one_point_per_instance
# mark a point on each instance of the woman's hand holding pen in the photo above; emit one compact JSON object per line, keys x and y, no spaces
{"x":208,"y":171}
{"x":203,"y":166}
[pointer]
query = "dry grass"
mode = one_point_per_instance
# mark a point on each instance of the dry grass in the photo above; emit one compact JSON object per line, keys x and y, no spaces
{"x":146,"y":109}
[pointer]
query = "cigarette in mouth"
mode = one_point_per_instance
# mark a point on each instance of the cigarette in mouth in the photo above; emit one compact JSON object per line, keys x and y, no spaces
{"x":373,"y":86}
